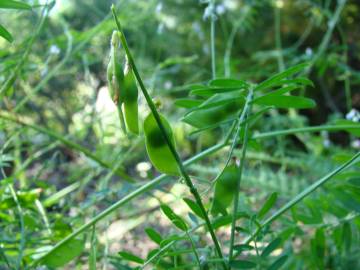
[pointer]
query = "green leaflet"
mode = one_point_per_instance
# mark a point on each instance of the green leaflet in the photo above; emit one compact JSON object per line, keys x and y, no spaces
{"x":130,"y":257}
{"x":285,"y":102}
{"x":174,"y":218}
{"x":130,"y":98}
{"x":153,"y":235}
{"x":158,"y":151}
{"x":274,"y":80}
{"x":64,"y":254}
{"x":5,"y":34}
{"x":242,"y":264}
{"x":215,"y":109}
{"x":14,"y":4}
{"x":225,"y":189}
{"x":269,"y":203}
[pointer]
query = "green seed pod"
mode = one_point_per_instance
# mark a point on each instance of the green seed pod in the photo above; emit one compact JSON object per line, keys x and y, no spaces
{"x":130,"y":98}
{"x":225,"y":189}
{"x":156,"y":146}
{"x":115,"y":76}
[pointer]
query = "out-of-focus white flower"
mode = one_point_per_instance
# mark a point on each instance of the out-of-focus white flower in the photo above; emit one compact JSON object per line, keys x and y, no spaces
{"x":168,"y":85}
{"x":220,"y":9}
{"x":209,"y":12}
{"x":326,"y":140}
{"x":326,"y":143}
{"x":231,"y":4}
{"x":160,"y":28}
{"x":54,"y":49}
{"x":279,"y":3}
{"x":308,"y":51}
{"x":356,"y":144}
{"x":159,"y":7}
{"x":143,"y":168}
{"x":353,"y":115}
{"x":197,"y":29}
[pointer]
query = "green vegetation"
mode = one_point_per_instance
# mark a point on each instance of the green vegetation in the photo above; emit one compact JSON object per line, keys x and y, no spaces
{"x":162,"y":134}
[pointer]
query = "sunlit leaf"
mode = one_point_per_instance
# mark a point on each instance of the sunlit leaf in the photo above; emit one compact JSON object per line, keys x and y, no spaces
{"x":269,"y":203}
{"x":242,"y":264}
{"x":194,"y":207}
{"x":14,"y":4}
{"x":5,"y":34}
{"x":271,"y":247}
{"x":64,"y":254}
{"x":282,"y":75}
{"x":278,"y":263}
{"x":285,"y":102}
{"x":130,"y":257}
{"x":174,"y":218}
{"x":153,"y":235}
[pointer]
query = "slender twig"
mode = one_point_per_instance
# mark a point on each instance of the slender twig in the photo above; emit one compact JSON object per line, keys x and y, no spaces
{"x":68,"y":143}
{"x":305,"y":129}
{"x":193,"y":247}
{"x":52,"y":72}
{"x":22,"y":226}
{"x":290,"y":204}
{"x":166,"y":137}
{"x":212,"y":38}
{"x":301,"y":196}
{"x":156,"y":181}
{"x":240,"y":167}
{"x":12,"y":78}
{"x":326,"y":39}
{"x":278,"y":43}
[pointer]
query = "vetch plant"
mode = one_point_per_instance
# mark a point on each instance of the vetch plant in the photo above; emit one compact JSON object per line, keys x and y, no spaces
{"x":224,"y":227}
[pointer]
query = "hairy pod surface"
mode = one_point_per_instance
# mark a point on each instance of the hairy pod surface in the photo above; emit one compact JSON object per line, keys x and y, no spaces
{"x":115,"y":77}
{"x":158,"y":151}
{"x":130,"y":99}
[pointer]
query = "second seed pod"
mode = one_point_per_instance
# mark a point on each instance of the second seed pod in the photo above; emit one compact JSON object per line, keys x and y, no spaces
{"x":158,"y":150}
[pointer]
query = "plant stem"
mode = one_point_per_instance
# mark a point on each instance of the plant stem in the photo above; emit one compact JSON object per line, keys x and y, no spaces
{"x":156,"y":181}
{"x":326,"y":39}
{"x":301,"y":196}
{"x":278,"y":45}
{"x":306,"y":129}
{"x":193,"y":247}
{"x":241,"y":167}
{"x":68,"y":143}
{"x":12,"y":78}
{"x":166,"y":137}
{"x":212,"y":38}
{"x":22,"y":227}
{"x":143,"y":189}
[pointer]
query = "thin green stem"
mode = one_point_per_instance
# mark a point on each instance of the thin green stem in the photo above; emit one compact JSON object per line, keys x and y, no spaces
{"x":278,"y":44}
{"x":193,"y":247}
{"x":212,"y":38}
{"x":12,"y":78}
{"x":326,"y":39}
{"x":66,"y":142}
{"x":52,"y":72}
{"x":43,"y":215}
{"x":306,"y":129}
{"x":241,"y":121}
{"x":166,"y":137}
{"x":301,"y":196}
{"x":142,"y":190}
{"x":22,"y":227}
{"x":241,"y":168}
{"x":155,"y":182}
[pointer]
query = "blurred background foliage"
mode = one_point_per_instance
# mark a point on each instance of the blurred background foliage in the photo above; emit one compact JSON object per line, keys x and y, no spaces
{"x":58,"y":65}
